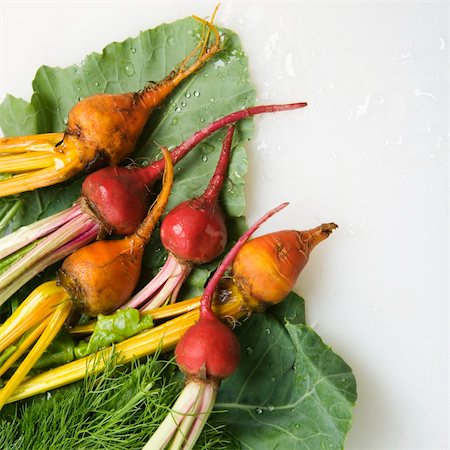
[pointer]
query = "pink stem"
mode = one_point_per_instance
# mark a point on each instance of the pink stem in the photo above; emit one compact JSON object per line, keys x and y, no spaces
{"x":153,"y":172}
{"x":170,"y":287}
{"x":205,"y":302}
{"x":208,"y":400}
{"x":186,"y":271}
{"x":154,"y":284}
{"x":215,"y":184}
{"x":29,"y":233}
{"x":87,"y":235}
{"x":48,"y":244}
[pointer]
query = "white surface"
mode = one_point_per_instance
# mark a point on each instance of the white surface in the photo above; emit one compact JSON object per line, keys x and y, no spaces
{"x":370,"y":152}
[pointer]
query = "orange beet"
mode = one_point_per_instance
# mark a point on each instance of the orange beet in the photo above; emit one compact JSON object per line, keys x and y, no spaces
{"x":102,"y":129}
{"x":266,"y":268}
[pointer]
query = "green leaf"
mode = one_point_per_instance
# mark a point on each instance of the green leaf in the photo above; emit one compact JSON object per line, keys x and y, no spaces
{"x":18,"y":117}
{"x":291,"y":390}
{"x":219,"y":88}
{"x":114,"y":328}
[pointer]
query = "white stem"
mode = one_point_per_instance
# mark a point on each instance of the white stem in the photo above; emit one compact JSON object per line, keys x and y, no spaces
{"x":48,"y":244}
{"x":43,"y":263}
{"x":172,"y":284}
{"x":155,"y":284}
{"x":29,"y":233}
{"x":170,"y":424}
{"x":186,"y":424}
{"x":209,"y":398}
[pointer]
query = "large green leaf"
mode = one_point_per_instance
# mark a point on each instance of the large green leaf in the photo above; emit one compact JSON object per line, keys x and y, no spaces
{"x":220,"y":87}
{"x":291,"y":390}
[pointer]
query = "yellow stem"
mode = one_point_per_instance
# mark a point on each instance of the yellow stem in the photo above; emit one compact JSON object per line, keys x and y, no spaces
{"x":63,"y":168}
{"x":164,"y":312}
{"x":57,"y":320}
{"x":34,"y":309}
{"x":25,"y":162}
{"x":22,"y":348}
{"x":163,"y":337}
{"x":36,"y":142}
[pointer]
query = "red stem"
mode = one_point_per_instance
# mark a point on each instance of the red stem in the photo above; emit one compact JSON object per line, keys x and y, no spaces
{"x":215,"y":184}
{"x":153,"y":172}
{"x":205,"y":302}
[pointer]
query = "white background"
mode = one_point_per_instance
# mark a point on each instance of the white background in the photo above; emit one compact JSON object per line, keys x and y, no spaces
{"x":369,"y":152}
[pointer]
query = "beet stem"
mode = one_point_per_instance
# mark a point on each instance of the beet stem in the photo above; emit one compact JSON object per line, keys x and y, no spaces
{"x":170,"y":424}
{"x":215,"y":183}
{"x":153,"y":171}
{"x":48,"y":244}
{"x":26,"y":234}
{"x":58,"y":317}
{"x":161,"y":277}
{"x":205,"y":304}
{"x":83,"y":239}
{"x":170,"y":287}
{"x":209,"y":399}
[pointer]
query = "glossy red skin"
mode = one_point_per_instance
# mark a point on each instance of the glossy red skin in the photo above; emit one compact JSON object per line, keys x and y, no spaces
{"x":194,"y":231}
{"x":208,"y":349}
{"x":118,"y":197}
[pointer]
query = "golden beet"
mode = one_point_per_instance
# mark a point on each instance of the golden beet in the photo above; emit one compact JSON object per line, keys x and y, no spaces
{"x":266,"y":268}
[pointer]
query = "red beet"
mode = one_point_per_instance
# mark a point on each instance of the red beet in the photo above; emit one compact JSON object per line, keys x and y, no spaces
{"x":195,"y":230}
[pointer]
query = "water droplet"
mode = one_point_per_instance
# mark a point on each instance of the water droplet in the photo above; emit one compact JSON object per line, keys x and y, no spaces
{"x":177,"y":109}
{"x":206,"y":75}
{"x":267,"y":330}
{"x":171,"y":41}
{"x":158,"y":250}
{"x":204,"y":158}
{"x":294,"y":367}
{"x":196,"y":94}
{"x":97,"y":84}
{"x":258,"y":410}
{"x":65,"y":120}
{"x":212,"y":99}
{"x":249,"y":350}
{"x":174,"y":121}
{"x":183,"y":104}
{"x":57,"y":109}
{"x":273,"y":379}
{"x":202,"y":120}
{"x":130,"y":70}
{"x":133,"y":50}
{"x":271,"y":408}
{"x":188,"y":95}
{"x":297,"y":425}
